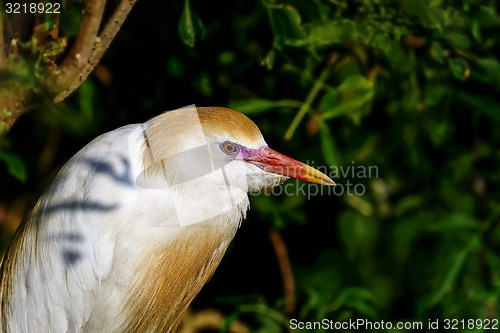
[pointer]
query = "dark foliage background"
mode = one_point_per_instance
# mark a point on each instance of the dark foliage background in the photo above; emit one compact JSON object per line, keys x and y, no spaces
{"x":408,"y":87}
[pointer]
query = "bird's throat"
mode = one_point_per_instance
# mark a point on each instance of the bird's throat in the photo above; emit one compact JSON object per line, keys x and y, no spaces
{"x":169,"y":277}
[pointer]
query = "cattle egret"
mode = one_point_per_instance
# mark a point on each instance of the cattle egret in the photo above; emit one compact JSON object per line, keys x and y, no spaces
{"x":134,"y":224}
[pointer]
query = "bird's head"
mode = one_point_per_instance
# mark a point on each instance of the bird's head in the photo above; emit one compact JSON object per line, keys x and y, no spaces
{"x":191,"y":143}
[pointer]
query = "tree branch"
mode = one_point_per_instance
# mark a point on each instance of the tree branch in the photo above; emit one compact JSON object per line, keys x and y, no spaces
{"x":101,"y":44}
{"x":285,"y":268}
{"x":83,"y":45}
{"x":14,"y":101}
{"x":89,"y":28}
{"x":110,"y":30}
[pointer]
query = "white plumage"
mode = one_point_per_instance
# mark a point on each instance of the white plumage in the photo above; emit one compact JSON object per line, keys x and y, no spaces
{"x":136,"y":222}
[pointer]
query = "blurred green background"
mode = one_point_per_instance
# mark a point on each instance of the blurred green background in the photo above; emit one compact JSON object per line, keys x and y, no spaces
{"x":408,"y":87}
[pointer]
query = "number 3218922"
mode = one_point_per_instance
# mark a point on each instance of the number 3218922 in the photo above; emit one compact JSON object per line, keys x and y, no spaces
{"x":25,"y":8}
{"x":485,"y":324}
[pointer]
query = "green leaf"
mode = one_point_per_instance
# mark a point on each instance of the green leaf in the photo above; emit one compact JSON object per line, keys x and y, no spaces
{"x":286,"y":24}
{"x":459,"y":68}
{"x":252,"y":106}
{"x":491,"y":67}
{"x":268,"y":61}
{"x":328,"y":100}
{"x":476,"y":29}
{"x":15,"y":166}
{"x":439,"y":131}
{"x":437,"y":18}
{"x":190,"y":25}
{"x":360,"y":299}
{"x":453,"y":222}
{"x":485,"y":104}
{"x":438,"y":52}
{"x":355,"y":96}
{"x":333,"y":32}
{"x":459,"y":40}
{"x":453,"y":271}
{"x":408,"y":203}
{"x":264,"y":311}
{"x":186,"y":26}
{"x":257,"y":105}
{"x":434,"y":94}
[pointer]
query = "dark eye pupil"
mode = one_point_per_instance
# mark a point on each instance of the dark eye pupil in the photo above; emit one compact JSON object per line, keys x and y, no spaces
{"x":229,"y":148}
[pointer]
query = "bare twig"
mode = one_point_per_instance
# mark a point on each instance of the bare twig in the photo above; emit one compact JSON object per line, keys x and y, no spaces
{"x":285,"y":269}
{"x":84,"y":42}
{"x":110,"y":30}
{"x":101,"y":44}
{"x":69,"y":73}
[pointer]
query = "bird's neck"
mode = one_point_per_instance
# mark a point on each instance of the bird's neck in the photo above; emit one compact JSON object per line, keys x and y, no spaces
{"x":169,"y":277}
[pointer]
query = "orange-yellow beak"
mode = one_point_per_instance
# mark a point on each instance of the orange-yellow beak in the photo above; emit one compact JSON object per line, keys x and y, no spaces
{"x":271,"y":161}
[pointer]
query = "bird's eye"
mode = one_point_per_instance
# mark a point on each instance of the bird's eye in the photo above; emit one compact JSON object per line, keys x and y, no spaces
{"x":229,"y":148}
